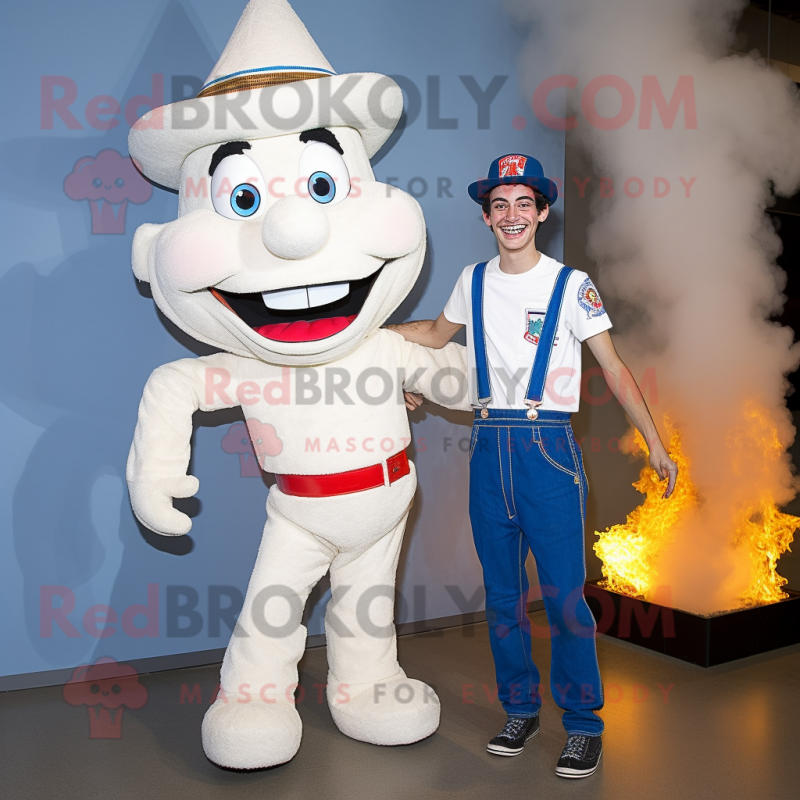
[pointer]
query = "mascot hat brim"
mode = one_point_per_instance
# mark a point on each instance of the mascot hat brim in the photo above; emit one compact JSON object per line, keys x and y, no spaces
{"x":162,"y":139}
{"x":271,"y":80}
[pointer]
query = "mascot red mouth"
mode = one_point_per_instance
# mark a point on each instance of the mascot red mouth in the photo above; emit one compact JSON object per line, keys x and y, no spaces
{"x":304,"y":331}
{"x":297,"y":324}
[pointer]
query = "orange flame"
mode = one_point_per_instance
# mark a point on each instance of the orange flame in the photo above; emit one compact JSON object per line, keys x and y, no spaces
{"x":762,"y":530}
{"x":631,"y":551}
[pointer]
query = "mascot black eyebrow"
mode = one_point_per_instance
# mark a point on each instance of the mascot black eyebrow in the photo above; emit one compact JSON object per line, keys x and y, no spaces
{"x":288,"y":256}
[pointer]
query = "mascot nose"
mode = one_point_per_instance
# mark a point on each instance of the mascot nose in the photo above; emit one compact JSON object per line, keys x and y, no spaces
{"x":295,"y":228}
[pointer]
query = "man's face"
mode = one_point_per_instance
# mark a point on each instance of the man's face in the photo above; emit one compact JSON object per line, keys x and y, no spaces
{"x":513,"y":216}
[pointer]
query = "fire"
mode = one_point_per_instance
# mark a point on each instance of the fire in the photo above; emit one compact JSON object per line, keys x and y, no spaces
{"x":631,"y":551}
{"x":763,"y":531}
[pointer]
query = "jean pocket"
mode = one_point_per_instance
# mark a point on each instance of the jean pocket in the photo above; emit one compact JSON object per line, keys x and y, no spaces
{"x":579,"y":458}
{"x":473,"y":441}
{"x":555,"y":447}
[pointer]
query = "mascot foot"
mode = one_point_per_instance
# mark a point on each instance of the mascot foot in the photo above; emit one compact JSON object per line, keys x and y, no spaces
{"x":251,"y":735}
{"x":397,"y":711}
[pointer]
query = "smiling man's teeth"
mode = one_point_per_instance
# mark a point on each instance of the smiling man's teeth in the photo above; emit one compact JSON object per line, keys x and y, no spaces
{"x":513,"y":229}
{"x":305,"y":296}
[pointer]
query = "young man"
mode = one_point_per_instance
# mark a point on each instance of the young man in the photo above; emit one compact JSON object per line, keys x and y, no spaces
{"x":526,"y":316}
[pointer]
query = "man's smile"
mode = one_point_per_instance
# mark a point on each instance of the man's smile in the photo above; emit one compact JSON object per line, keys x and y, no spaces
{"x":513,"y":230}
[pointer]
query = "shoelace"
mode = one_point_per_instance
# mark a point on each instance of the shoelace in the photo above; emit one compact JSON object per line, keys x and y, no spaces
{"x":576,"y":747}
{"x":512,"y":728}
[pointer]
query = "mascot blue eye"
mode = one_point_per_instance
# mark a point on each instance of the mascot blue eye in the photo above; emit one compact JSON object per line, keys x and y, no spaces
{"x":119,"y":183}
{"x":97,"y":182}
{"x":330,"y":178}
{"x":321,"y":187}
{"x":245,"y":200}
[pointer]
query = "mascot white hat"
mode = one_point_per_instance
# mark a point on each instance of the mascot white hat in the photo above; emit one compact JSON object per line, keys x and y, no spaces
{"x":271,"y":79}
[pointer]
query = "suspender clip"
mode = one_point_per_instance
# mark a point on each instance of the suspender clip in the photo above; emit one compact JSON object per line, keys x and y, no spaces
{"x":532,"y":412}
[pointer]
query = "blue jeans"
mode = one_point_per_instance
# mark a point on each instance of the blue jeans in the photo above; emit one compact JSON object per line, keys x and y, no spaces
{"x":528,"y":491}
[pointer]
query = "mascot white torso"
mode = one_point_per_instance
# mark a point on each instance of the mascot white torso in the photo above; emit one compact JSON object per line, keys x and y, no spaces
{"x":288,"y":256}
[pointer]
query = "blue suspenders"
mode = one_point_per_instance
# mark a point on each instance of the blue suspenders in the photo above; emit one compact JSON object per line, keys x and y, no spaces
{"x":478,"y":336}
{"x":544,"y":350}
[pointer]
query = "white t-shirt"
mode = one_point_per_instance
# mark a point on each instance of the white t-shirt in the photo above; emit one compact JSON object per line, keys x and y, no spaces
{"x":513,"y":312}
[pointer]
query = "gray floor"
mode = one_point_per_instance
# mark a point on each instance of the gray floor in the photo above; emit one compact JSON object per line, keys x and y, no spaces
{"x":727,"y":732}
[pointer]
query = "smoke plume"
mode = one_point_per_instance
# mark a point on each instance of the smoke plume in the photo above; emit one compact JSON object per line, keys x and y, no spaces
{"x":698,"y":264}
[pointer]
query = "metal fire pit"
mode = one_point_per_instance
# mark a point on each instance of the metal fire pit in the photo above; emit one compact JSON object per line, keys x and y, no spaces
{"x":703,"y":640}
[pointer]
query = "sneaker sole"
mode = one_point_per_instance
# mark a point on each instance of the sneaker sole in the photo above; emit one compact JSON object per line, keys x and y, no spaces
{"x":497,"y":750}
{"x":567,"y":772}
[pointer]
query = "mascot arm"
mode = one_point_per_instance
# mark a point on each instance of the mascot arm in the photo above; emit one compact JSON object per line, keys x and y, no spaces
{"x":159,"y":456}
{"x":439,"y":374}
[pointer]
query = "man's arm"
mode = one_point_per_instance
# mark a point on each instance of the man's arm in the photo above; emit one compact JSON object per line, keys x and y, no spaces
{"x":430,"y":333}
{"x":626,"y":390}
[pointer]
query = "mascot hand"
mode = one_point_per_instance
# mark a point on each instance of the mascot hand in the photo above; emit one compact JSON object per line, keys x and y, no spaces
{"x":152,"y":503}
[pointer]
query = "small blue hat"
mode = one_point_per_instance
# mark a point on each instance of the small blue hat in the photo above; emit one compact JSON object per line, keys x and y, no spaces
{"x":514,"y":168}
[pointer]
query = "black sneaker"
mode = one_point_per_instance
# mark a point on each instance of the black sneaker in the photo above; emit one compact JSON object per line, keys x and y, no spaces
{"x":511,"y":740}
{"x":580,"y":756}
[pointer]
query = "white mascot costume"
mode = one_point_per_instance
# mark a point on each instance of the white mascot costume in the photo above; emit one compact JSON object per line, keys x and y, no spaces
{"x":288,"y":256}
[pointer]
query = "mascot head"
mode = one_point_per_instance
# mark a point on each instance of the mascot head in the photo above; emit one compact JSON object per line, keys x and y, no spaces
{"x":285,"y":248}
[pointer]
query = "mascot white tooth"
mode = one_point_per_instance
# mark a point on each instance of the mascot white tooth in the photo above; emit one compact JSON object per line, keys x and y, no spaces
{"x":289,"y":256}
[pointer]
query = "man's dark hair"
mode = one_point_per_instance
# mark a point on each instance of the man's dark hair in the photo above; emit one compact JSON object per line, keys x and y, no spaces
{"x":541,"y":201}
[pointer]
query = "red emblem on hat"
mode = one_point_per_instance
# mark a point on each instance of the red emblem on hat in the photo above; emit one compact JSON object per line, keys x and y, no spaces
{"x":512,"y":166}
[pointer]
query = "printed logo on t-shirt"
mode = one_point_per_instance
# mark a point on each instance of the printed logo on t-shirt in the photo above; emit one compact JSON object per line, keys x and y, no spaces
{"x":534,"y":322}
{"x":512,"y":166}
{"x":589,"y":300}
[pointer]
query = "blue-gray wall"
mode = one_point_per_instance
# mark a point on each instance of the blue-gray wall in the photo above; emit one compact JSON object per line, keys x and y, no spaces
{"x":79,"y":338}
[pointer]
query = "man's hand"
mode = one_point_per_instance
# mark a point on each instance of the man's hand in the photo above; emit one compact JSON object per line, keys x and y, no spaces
{"x":664,"y":466}
{"x":413,"y":401}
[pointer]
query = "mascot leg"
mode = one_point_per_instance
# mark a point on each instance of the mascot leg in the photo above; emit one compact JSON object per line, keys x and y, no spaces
{"x":369,"y":695}
{"x":254,"y":723}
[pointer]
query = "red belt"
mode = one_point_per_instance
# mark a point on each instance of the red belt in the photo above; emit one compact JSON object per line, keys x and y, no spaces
{"x":355,"y":480}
